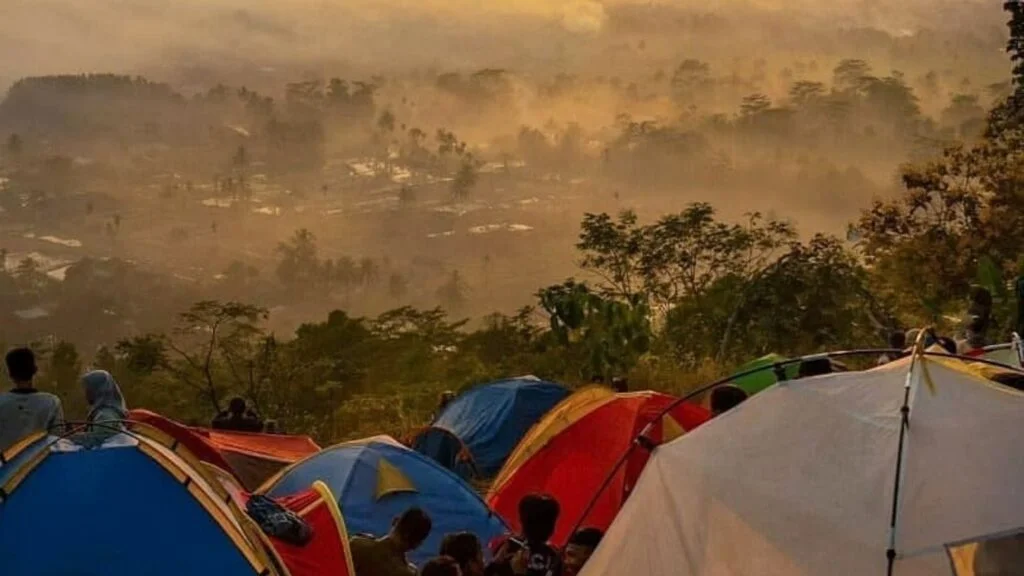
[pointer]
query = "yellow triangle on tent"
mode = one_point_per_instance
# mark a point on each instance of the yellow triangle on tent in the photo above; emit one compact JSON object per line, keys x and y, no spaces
{"x":391,"y":480}
{"x":670,"y":429}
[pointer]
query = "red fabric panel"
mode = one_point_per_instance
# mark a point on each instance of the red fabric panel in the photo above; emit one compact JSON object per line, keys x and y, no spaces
{"x":574,"y":464}
{"x":325,"y":555}
{"x":195,"y":443}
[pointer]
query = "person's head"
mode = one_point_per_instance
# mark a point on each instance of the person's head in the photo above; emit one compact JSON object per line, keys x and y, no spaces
{"x":976,"y":324}
{"x":815,"y":367}
{"x":270,"y":426}
{"x":21,"y":365}
{"x":102,"y":391}
{"x":538,"y":514}
{"x":947,"y":344}
{"x":411,"y":528}
{"x":441,"y":566}
{"x":620,"y":385}
{"x":237,"y":406}
{"x":725,"y":398}
{"x":466,"y":549}
{"x":445,"y":399}
{"x":897,"y":340}
{"x":579,"y":549}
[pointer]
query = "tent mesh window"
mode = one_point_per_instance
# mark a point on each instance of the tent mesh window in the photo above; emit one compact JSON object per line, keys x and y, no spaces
{"x":997,"y":555}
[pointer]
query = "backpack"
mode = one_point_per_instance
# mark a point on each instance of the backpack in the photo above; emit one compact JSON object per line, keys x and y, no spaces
{"x":279,"y":522}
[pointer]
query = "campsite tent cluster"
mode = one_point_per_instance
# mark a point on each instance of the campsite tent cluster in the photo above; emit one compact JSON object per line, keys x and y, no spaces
{"x":911,"y":468}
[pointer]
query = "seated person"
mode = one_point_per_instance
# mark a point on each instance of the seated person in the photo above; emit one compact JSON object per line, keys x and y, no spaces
{"x":725,"y":398}
{"x":580,"y":548}
{"x":533,"y":555}
{"x":386,"y":556}
{"x":238,"y":417}
{"x":441,"y":566}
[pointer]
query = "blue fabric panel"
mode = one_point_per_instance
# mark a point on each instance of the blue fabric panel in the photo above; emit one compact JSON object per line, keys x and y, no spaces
{"x":110,"y":512}
{"x":351,"y":473}
{"x":444,"y":448}
{"x":492,"y":419}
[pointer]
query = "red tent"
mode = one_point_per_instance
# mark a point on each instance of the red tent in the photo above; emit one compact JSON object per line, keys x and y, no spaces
{"x":252,"y":458}
{"x":574,"y":448}
{"x":327,"y":554}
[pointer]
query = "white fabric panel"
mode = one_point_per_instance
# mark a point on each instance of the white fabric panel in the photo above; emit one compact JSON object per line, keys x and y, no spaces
{"x":797,"y":480}
{"x":964,"y":461}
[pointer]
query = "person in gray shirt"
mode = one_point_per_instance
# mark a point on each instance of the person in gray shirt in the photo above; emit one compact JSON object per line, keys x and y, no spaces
{"x":23,"y":409}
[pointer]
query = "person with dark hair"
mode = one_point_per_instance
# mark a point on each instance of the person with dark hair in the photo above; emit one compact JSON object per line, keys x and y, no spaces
{"x":725,"y":398}
{"x":620,"y":385}
{"x":580,"y":548}
{"x":386,"y":556}
{"x":897,"y":341}
{"x":947,"y":344}
{"x":238,"y":417}
{"x":533,"y":555}
{"x":466,"y":549}
{"x":973,"y":343}
{"x":815,"y":367}
{"x":23,"y":409}
{"x":441,"y":566}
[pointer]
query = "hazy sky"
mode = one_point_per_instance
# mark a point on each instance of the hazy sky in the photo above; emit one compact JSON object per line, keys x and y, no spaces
{"x":51,"y":36}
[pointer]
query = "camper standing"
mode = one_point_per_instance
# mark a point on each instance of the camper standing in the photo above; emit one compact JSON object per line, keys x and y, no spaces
{"x":23,"y":409}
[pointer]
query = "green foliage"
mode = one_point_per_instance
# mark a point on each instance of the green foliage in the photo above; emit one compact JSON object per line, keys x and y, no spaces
{"x":607,"y":336}
{"x":679,"y":256}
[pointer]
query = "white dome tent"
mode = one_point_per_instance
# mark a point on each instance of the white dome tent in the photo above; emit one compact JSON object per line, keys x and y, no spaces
{"x":900,"y":470}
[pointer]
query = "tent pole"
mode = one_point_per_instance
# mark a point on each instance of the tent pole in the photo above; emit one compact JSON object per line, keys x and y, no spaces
{"x":916,"y":356}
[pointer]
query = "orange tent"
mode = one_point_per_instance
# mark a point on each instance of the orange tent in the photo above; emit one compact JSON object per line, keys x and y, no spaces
{"x":256,"y":457}
{"x":572,"y":451}
{"x":252,"y":458}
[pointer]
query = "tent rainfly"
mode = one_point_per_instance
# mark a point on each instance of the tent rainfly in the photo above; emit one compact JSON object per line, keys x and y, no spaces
{"x":911,"y":469}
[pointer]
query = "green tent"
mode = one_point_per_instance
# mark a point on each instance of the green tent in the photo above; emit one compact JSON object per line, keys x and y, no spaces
{"x":758,"y":381}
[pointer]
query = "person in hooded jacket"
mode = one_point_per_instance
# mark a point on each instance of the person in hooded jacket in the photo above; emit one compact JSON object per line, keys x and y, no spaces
{"x":107,"y":408}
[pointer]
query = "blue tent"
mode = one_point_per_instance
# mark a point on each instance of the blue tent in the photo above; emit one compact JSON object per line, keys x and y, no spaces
{"x":377,"y":479}
{"x":129,"y":507}
{"x":475,"y":434}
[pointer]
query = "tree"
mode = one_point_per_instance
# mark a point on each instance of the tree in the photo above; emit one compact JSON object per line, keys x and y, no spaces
{"x":144,"y":354}
{"x":850,"y":75}
{"x":64,"y":371}
{"x":465,"y":179}
{"x":213,"y":343}
{"x":300,"y":265}
{"x":805,"y":94}
{"x":681,"y":255}
{"x":604,"y":336}
{"x":690,"y":80}
{"x":754,"y":105}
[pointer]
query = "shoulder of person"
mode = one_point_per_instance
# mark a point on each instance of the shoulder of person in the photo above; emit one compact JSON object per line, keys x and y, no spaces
{"x":361,"y":540}
{"x":51,"y":398}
